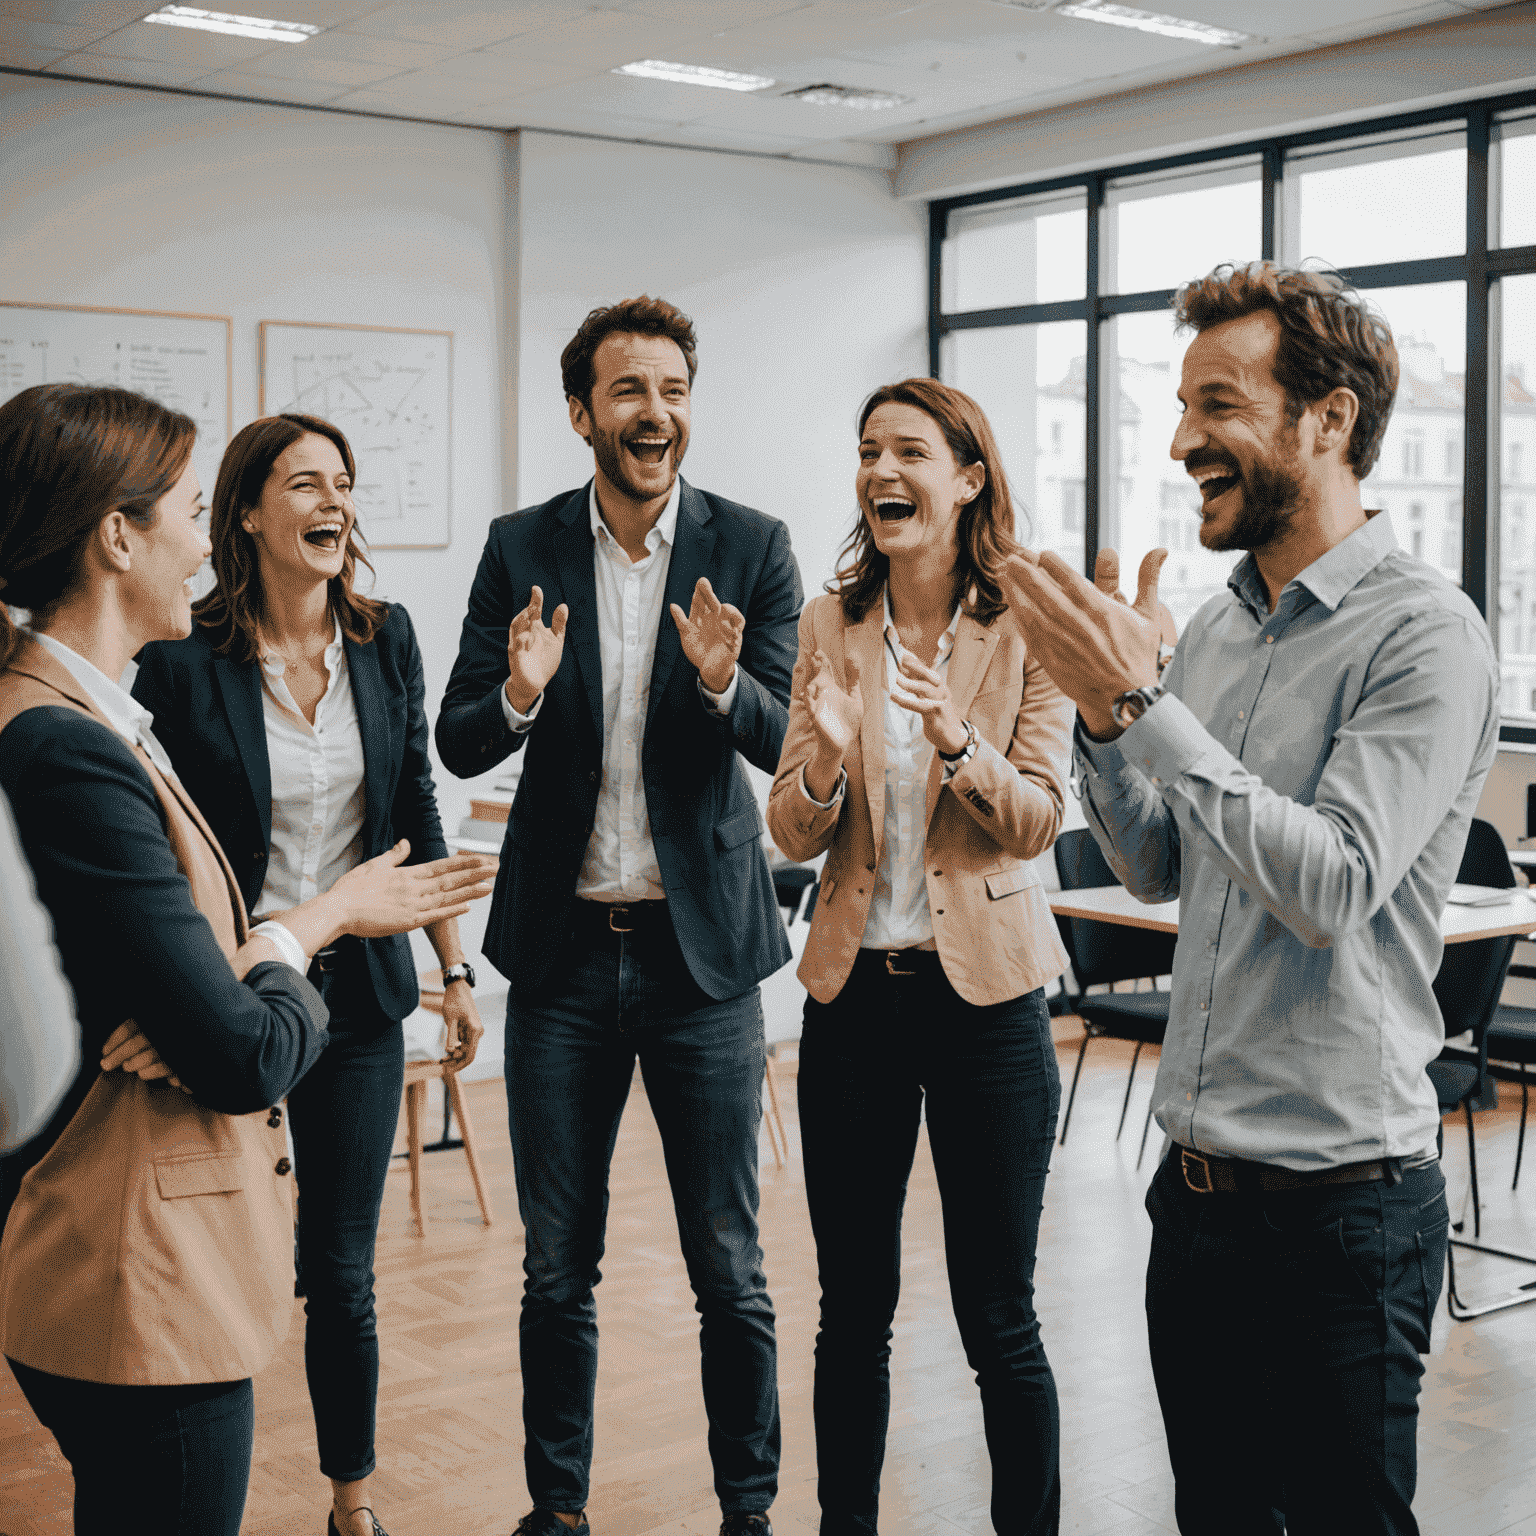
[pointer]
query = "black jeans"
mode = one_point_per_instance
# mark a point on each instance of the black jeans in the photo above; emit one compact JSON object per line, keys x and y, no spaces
{"x":1286,"y":1330}
{"x":150,"y":1461}
{"x":570,"y":1059}
{"x":868,"y":1061}
{"x":343,"y":1115}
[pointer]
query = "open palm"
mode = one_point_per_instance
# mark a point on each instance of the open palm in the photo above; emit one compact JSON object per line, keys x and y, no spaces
{"x":534,"y":649}
{"x":711,"y":634}
{"x":836,"y":714}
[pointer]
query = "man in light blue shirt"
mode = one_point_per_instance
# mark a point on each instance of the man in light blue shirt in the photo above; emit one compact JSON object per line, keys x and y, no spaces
{"x":1302,"y":780}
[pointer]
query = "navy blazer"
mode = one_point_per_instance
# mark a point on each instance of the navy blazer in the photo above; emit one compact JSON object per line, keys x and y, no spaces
{"x":208,"y":717}
{"x":703,"y":818}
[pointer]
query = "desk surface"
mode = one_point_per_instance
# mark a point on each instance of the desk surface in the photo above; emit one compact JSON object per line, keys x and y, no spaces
{"x":1115,"y":904}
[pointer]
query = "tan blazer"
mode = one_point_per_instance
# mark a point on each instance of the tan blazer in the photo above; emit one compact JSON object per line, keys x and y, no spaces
{"x":153,"y":1243}
{"x":995,"y":933}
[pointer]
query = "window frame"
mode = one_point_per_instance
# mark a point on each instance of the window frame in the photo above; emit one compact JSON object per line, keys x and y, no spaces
{"x":1478,"y":266}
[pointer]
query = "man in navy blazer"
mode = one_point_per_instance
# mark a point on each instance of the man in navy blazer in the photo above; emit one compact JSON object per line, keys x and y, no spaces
{"x":634,"y":913}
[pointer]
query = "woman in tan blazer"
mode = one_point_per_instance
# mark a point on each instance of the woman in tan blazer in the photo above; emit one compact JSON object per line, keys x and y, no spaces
{"x":927,"y":756}
{"x":146,"y":1263}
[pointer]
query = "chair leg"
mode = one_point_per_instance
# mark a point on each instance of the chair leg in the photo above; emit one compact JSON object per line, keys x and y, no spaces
{"x":775,"y":1116}
{"x":1525,"y":1099}
{"x":415,"y":1103}
{"x":1477,"y":1208}
{"x":1077,"y":1072}
{"x":1146,"y":1125}
{"x":455,"y":1091}
{"x":1126,"y":1104}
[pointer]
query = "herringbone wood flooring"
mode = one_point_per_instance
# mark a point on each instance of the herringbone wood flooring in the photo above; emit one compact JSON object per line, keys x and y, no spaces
{"x":449,"y":1435}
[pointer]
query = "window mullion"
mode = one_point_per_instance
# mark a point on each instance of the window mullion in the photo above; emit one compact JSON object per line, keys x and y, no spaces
{"x":1479,"y":530}
{"x":1091,"y":383}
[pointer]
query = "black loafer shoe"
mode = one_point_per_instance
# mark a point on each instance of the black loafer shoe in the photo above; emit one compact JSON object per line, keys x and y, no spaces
{"x":545,"y":1522}
{"x":745,"y":1525}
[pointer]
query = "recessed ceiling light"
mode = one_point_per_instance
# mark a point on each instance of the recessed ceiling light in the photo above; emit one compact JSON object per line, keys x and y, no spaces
{"x":694,"y":74}
{"x":260,"y":27}
{"x":1155,"y":21}
{"x":849,"y":96}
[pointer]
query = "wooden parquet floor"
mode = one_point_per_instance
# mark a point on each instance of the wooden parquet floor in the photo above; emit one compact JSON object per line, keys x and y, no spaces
{"x":450,"y":1441}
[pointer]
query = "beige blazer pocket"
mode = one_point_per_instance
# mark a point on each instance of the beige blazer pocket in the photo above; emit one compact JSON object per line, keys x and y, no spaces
{"x":183,"y":1176}
{"x":1007,"y":882}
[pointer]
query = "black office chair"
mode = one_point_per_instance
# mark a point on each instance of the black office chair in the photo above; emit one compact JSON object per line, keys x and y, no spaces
{"x":1108,"y":952}
{"x":1467,"y":988}
{"x":1512,"y":1037}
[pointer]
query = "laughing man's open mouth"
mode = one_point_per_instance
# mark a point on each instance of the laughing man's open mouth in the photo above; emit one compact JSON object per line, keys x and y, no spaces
{"x":649,"y":450}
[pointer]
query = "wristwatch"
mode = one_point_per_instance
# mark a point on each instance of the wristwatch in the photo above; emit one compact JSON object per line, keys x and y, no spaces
{"x":1134,"y":703}
{"x":463,"y":971}
{"x":958,"y":760}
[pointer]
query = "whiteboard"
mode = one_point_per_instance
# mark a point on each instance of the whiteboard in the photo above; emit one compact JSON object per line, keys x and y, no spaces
{"x":390,"y":392}
{"x":180,"y":360}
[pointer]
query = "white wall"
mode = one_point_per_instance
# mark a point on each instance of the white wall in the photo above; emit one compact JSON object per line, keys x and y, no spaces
{"x":137,"y":199}
{"x":807,"y":288}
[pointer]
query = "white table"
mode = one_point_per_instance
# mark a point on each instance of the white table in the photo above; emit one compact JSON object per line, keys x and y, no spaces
{"x":1458,"y":925}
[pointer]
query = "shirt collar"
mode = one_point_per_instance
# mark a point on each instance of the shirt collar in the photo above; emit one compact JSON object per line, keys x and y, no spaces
{"x":946,"y":640}
{"x":665,"y":529}
{"x":274,"y":665}
{"x":126,"y":715}
{"x":1332,"y":576}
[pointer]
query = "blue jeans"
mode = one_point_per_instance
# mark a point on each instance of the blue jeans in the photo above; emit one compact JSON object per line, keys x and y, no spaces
{"x":869,"y":1062}
{"x":150,"y":1461}
{"x":1286,"y":1331}
{"x":570,"y":1058}
{"x":343,"y":1117}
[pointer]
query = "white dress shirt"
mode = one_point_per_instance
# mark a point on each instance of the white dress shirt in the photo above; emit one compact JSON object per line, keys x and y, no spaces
{"x":133,"y":722}
{"x":898,"y":910}
{"x":620,"y":862}
{"x":317,"y":784}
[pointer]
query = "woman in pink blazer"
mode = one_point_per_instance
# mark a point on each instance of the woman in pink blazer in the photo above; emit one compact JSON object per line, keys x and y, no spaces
{"x":927,"y":756}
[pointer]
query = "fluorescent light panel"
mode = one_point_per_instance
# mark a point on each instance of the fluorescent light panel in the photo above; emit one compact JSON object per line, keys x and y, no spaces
{"x":694,"y":74}
{"x":263,"y":28}
{"x":1156,"y":22}
{"x":849,"y":96}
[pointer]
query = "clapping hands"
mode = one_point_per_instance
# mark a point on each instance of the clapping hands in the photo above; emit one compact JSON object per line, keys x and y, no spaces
{"x":534,"y":650}
{"x":711,"y":633}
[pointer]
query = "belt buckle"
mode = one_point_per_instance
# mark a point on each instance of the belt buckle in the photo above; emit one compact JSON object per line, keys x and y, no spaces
{"x":623,"y":907}
{"x":1186,"y":1157}
{"x":325,"y":959}
{"x":890,"y":964}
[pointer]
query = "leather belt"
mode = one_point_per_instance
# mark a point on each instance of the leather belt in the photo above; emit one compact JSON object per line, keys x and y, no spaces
{"x":904,"y":962}
{"x":608,"y":919}
{"x":1207,"y":1175}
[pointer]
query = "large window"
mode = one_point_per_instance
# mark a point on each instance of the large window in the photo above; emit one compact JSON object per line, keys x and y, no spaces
{"x":1050,"y":304}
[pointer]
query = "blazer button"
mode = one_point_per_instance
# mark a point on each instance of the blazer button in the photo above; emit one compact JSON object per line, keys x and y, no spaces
{"x":275,"y":1118}
{"x":283,"y":1166}
{"x":591,"y":778}
{"x":258,"y":856}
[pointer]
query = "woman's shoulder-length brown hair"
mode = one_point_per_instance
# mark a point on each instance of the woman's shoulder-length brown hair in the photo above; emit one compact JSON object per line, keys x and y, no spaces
{"x":233,"y":609}
{"x":986,"y":522}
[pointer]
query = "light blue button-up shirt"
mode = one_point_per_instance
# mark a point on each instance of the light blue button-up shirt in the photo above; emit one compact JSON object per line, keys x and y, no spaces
{"x":1305,"y":791}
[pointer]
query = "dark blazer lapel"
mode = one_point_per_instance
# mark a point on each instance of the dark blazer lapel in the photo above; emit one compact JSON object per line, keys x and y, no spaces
{"x":692,"y":545}
{"x":578,"y":590}
{"x":373,"y":722}
{"x":240,"y":684}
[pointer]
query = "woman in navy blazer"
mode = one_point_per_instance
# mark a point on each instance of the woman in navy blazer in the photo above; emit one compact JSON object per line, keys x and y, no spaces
{"x":294,"y":715}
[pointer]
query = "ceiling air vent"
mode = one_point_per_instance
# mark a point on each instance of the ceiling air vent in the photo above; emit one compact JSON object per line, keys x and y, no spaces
{"x":848,"y":96}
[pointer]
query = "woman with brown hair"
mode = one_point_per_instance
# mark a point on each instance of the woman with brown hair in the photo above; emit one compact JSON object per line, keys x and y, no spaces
{"x":146,"y":1264}
{"x":295,"y":716}
{"x":927,"y":756}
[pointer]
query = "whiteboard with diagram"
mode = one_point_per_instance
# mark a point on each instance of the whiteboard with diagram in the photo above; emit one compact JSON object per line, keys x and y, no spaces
{"x":390,"y":392}
{"x":180,"y":360}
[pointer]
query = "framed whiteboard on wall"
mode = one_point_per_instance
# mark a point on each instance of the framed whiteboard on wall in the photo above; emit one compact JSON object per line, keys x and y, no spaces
{"x":183,"y":361}
{"x":391,"y":392}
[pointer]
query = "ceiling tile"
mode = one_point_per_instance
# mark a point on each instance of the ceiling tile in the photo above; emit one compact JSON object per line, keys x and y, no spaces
{"x":397,"y":52}
{"x":182,"y":45}
{"x":44,"y":35}
{"x":307,"y":93}
{"x":427,"y":86}
{"x":1418,"y":16}
{"x":299,"y":64}
{"x":135,"y":71}
{"x":100,"y":15}
{"x":1298,"y":18}
{"x":318,"y":13}
{"x":25,"y":56}
{"x":721,"y":15}
{"x":463,"y":23}
{"x":513,"y":74}
{"x":604,"y":40}
{"x":616,"y":96}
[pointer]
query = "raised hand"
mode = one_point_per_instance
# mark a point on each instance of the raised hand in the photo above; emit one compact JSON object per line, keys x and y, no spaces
{"x":1106,"y":577}
{"x":924,"y":692}
{"x":1095,"y":647}
{"x":386,"y":895}
{"x":835,"y":717}
{"x":534,"y":650}
{"x":711,"y":633}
